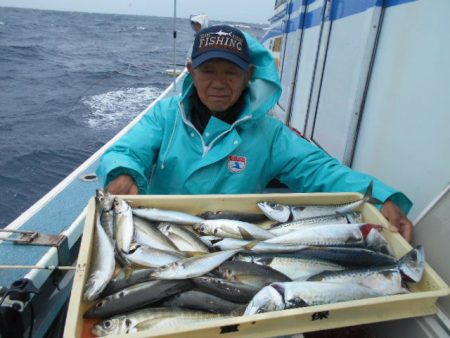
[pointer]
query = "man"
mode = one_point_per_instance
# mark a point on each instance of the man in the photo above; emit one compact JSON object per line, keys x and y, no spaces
{"x":218,"y":138}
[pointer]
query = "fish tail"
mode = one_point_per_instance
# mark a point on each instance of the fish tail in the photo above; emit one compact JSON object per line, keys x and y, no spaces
{"x":368,"y":195}
{"x":412,"y":264}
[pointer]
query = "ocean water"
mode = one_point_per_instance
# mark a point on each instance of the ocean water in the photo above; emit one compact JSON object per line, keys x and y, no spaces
{"x":69,"y":82}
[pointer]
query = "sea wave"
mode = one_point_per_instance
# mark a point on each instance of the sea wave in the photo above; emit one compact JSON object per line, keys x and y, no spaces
{"x":117,"y":107}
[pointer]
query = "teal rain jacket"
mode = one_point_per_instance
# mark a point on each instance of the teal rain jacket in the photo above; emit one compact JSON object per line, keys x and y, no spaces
{"x":165,"y":154}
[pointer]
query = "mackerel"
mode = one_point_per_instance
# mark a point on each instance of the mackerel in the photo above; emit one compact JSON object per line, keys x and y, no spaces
{"x":151,"y":319}
{"x":280,"y":296}
{"x":198,"y":300}
{"x":232,"y":229}
{"x":293,"y":266}
{"x":193,"y":266}
{"x":152,"y":258}
{"x":136,"y":296}
{"x":327,"y":235}
{"x":283,"y":213}
{"x":103,"y":263}
{"x":124,"y":227}
{"x":148,"y":234}
{"x":250,"y":273}
{"x":183,"y":239}
{"x":161,"y":215}
{"x":233,"y":291}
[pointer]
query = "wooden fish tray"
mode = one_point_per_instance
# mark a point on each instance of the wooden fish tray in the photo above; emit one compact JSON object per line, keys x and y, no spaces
{"x":420,"y":302}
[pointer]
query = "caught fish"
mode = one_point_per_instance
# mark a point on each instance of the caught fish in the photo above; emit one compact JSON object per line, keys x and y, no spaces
{"x":388,"y":280}
{"x":232,"y":243}
{"x":148,"y":234}
{"x":284,"y":228}
{"x":327,"y":235}
{"x":183,"y":239}
{"x":280,"y":296}
{"x":160,"y":215}
{"x":282,"y":213}
{"x":197,"y":300}
{"x":124,"y":226}
{"x":136,"y":296}
{"x":234,"y":215}
{"x":250,"y":274}
{"x":152,"y":258}
{"x":194,"y":266}
{"x":103,"y":263}
{"x":151,"y":319}
{"x":275,"y":211}
{"x":105,"y":203}
{"x":123,"y":280}
{"x":350,"y":257}
{"x":291,"y":265}
{"x":232,"y":229}
{"x":233,"y":291}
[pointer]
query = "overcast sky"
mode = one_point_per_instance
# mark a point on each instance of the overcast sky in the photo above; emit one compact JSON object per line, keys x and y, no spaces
{"x":252,"y":11}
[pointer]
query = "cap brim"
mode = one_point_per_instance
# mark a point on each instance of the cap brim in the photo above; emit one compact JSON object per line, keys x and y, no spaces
{"x":214,"y":54}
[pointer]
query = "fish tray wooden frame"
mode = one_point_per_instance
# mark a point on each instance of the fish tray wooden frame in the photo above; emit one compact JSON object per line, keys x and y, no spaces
{"x":420,"y":302}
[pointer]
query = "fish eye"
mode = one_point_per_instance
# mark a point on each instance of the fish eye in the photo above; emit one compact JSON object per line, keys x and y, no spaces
{"x":107,"y":324}
{"x":121,"y":294}
{"x":99,"y":304}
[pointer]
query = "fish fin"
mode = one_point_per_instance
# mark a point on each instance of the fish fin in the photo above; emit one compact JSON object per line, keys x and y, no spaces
{"x":250,"y":245}
{"x":193,"y":253}
{"x":245,"y":234}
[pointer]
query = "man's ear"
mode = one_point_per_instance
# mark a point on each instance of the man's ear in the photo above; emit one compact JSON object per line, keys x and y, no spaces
{"x":189,"y":67}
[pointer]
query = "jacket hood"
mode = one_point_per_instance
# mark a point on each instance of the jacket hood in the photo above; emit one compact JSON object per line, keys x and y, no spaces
{"x":264,"y":86}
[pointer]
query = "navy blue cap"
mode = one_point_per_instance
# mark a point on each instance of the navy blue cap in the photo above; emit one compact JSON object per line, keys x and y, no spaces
{"x":221,"y":42}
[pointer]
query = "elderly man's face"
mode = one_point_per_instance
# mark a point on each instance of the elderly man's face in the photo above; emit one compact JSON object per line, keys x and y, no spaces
{"x":219,"y":83}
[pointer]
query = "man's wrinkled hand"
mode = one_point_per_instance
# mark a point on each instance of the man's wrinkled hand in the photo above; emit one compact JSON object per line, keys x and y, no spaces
{"x":398,"y":220}
{"x":123,"y":185}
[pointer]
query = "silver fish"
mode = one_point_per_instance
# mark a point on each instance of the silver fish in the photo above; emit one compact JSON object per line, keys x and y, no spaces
{"x":103,"y":262}
{"x":328,"y":235}
{"x":193,"y":266}
{"x":283,"y":228}
{"x":124,"y":226}
{"x":123,"y":280}
{"x":232,"y":229}
{"x":304,"y":293}
{"x":160,"y":215}
{"x":148,"y":234}
{"x":233,"y":291}
{"x":349,"y":257}
{"x":234,"y":215}
{"x":283,"y":213}
{"x":152,"y":258}
{"x":133,"y":297}
{"x":275,"y":211}
{"x":151,"y":319}
{"x":198,"y":300}
{"x":250,"y":273}
{"x":183,"y":239}
{"x":386,"y":280}
{"x":296,"y":268}
{"x":106,"y":202}
{"x":232,"y":243}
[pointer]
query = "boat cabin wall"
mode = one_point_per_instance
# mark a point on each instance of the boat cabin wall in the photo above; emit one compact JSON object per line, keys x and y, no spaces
{"x":368,"y":84}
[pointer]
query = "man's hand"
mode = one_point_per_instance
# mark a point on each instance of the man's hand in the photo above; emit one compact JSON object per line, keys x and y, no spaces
{"x":123,"y":185}
{"x":398,"y":220}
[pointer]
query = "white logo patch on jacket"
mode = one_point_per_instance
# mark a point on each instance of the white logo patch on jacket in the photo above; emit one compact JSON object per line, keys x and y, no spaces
{"x":237,"y":164}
